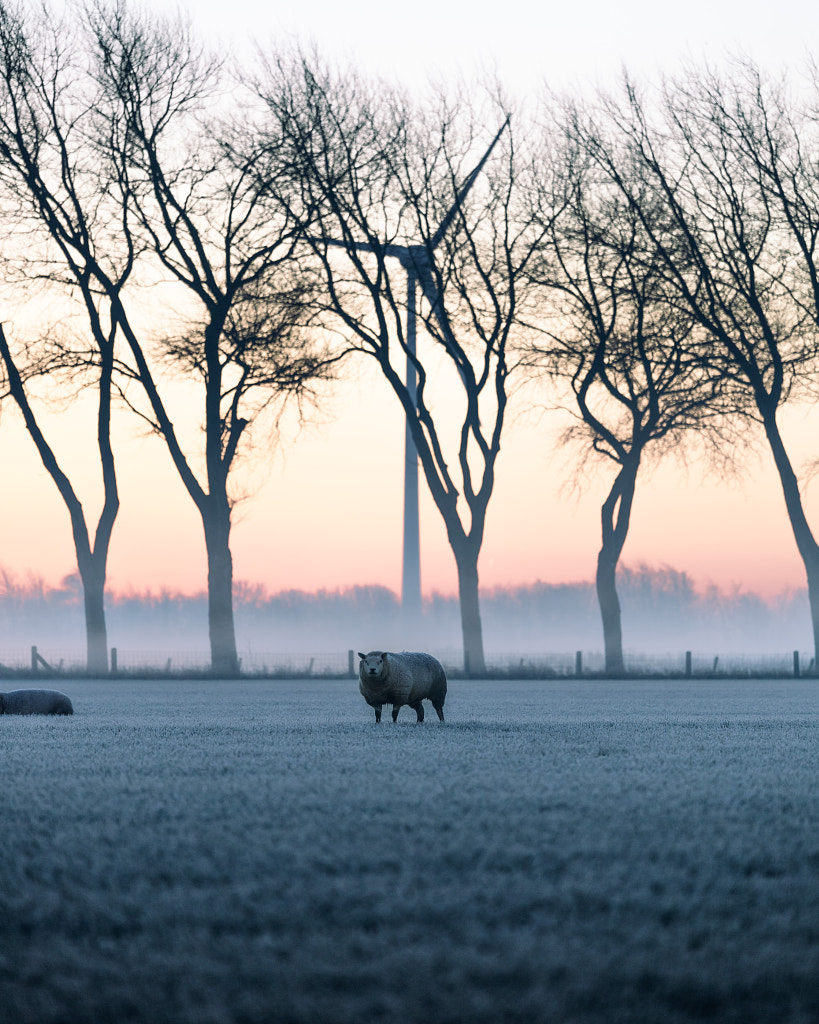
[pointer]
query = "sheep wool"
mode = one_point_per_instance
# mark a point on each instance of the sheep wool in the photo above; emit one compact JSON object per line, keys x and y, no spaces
{"x":35,"y":702}
{"x":406,"y":678}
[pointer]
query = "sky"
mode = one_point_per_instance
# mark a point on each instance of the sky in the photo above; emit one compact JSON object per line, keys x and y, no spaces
{"x":324,"y":502}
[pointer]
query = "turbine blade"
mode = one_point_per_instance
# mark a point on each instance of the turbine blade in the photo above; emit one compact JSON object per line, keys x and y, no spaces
{"x":467,"y":185}
{"x":435,"y":301}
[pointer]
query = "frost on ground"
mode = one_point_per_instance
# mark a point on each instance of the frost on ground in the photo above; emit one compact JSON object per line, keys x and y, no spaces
{"x":200,"y":853}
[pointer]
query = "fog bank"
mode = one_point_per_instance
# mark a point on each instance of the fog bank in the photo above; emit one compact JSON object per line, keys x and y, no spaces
{"x":663,"y":612}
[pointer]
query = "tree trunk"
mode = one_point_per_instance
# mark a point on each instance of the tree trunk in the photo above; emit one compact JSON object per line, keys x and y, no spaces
{"x":610,"y":613}
{"x":467,"y":562}
{"x":615,"y":517}
{"x":223,"y":655}
{"x":91,"y":562}
{"x":93,"y":583}
{"x":813,"y":598}
{"x":805,"y":541}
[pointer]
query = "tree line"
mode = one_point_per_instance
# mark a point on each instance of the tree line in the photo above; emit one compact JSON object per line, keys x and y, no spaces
{"x":666,"y":612}
{"x":649,"y":255}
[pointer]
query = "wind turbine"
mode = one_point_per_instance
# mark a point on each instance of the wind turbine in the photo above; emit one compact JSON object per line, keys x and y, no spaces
{"x":416,"y":261}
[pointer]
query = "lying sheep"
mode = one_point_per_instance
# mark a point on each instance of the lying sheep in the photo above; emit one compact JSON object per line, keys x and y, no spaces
{"x":35,"y":702}
{"x":398,"y":679}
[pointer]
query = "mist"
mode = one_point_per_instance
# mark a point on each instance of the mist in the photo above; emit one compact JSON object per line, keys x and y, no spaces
{"x":663,"y":612}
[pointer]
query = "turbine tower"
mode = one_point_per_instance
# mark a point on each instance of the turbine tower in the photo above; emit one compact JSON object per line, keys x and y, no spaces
{"x":415,"y":259}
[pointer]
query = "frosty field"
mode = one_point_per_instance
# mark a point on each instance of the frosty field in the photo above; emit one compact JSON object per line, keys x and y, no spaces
{"x":259,"y":851}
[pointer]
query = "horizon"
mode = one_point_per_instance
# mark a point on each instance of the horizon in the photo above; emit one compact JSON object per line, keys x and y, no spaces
{"x":663,"y":615}
{"x":30,"y":584}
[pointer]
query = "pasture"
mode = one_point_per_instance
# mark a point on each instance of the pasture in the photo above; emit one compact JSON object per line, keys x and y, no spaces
{"x":193,"y":852}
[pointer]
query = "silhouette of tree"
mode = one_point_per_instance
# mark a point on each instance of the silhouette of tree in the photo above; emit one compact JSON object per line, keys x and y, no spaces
{"x":50,"y":187}
{"x":635,"y":362}
{"x":732,"y":166}
{"x":382,"y":197}
{"x":166,"y":192}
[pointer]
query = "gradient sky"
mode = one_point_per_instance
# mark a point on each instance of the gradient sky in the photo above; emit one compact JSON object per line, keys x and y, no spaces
{"x":325,"y":505}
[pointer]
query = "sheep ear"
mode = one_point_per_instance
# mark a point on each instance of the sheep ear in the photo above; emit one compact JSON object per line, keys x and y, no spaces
{"x":362,"y":656}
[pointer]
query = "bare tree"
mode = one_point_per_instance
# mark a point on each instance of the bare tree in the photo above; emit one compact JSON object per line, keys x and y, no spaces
{"x":199,"y":213}
{"x":392,"y":194}
{"x":55,"y":194}
{"x":635,"y":362}
{"x":775,"y":142}
{"x":194,"y":218}
{"x":736,"y":245}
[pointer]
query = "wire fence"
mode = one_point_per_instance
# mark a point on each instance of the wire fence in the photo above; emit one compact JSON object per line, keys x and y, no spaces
{"x":47,"y":661}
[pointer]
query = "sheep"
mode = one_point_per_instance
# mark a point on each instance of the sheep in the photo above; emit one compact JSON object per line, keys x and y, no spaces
{"x":35,"y":702}
{"x":398,"y":679}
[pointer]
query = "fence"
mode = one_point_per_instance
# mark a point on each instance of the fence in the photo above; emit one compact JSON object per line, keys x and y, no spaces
{"x":44,"y":661}
{"x":591,"y":664}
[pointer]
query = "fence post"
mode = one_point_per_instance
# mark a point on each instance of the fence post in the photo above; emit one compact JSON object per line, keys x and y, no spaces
{"x":113,"y":661}
{"x":37,"y":659}
{"x":350,"y":664}
{"x":578,"y":663}
{"x":688,"y":664}
{"x":796,"y":664}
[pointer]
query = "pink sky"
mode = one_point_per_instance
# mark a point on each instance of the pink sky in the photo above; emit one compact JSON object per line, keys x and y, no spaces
{"x":325,"y":509}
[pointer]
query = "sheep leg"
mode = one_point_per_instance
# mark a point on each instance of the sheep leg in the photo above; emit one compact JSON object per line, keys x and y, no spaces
{"x":419,"y":710}
{"x":396,"y":708}
{"x":440,"y":709}
{"x":377,"y":713}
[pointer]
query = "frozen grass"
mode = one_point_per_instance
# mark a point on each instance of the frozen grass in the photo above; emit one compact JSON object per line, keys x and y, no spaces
{"x":557,"y":852}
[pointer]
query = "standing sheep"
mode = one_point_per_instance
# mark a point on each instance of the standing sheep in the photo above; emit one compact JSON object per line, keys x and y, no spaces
{"x":35,"y":702}
{"x":405,"y":678}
